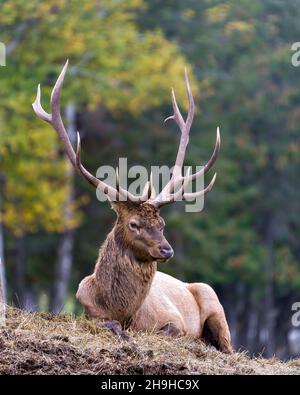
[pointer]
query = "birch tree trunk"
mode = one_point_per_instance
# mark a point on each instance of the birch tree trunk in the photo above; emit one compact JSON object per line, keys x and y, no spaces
{"x":3,"y":291}
{"x":270,"y":313}
{"x":2,"y":279}
{"x":19,"y":269}
{"x":66,"y":243}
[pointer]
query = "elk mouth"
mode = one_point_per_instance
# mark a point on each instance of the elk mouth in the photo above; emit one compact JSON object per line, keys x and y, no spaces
{"x":163,"y":260}
{"x":160,"y":259}
{"x":165,"y":255}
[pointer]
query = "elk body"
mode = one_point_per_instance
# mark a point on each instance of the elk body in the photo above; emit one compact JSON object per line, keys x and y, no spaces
{"x":125,"y":289}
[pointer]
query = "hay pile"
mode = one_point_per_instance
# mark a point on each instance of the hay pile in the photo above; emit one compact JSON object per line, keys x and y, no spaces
{"x":39,"y":343}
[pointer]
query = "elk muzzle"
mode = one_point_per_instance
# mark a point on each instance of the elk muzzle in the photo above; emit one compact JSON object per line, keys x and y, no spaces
{"x":166,"y":252}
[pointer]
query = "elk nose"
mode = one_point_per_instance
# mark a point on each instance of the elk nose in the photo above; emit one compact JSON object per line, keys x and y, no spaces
{"x":167,"y":252}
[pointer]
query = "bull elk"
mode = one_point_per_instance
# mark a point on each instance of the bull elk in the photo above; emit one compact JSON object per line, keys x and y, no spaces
{"x":125,"y":289}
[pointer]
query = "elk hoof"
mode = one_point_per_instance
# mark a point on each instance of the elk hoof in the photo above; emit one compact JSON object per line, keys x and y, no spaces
{"x":116,"y":328}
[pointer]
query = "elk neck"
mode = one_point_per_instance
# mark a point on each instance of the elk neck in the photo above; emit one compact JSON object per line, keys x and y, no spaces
{"x":122,"y":280}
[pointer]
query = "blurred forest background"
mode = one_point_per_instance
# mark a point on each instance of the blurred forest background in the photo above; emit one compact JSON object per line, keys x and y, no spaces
{"x":124,"y":58}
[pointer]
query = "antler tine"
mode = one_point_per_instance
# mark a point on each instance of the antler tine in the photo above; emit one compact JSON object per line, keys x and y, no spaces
{"x":37,"y":107}
{"x":193,"y":195}
{"x":112,"y":193}
{"x":180,"y":193}
{"x":172,"y":197}
{"x":79,"y":166}
{"x":168,"y":195}
{"x":211,"y":161}
{"x":184,"y":127}
{"x":186,"y":195}
{"x":177,"y":117}
{"x":191,"y":111}
{"x":153,"y":191}
{"x":117,"y":179}
{"x":147,"y":191}
{"x":78,"y":151}
{"x":125,"y":194}
{"x":55,"y":120}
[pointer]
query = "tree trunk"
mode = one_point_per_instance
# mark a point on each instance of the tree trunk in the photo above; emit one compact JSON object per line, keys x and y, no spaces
{"x":253,"y":323}
{"x":284,"y":326}
{"x":66,"y":243}
{"x":259,"y":344}
{"x":269,"y":324}
{"x":62,"y":272}
{"x":2,"y":279}
{"x":244,"y":317}
{"x":3,"y":291}
{"x":18,"y":280}
{"x":240,"y":304}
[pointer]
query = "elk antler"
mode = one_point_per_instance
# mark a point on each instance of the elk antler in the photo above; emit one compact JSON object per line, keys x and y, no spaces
{"x":56,"y":121}
{"x":168,"y":194}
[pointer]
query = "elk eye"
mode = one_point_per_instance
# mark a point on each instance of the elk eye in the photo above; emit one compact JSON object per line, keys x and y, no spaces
{"x":133,"y":225}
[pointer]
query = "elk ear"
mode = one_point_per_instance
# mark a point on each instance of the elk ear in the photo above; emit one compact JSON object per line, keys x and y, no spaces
{"x":121,"y":207}
{"x":115,"y":206}
{"x":118,"y":207}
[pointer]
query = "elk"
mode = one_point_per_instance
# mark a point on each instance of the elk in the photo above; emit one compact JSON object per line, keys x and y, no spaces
{"x":126,"y":290}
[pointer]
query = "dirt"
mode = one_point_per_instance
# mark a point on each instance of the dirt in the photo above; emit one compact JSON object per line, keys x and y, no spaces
{"x":40,"y":343}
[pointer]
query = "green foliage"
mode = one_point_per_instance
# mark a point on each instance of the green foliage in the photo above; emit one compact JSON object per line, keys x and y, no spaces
{"x":242,"y":58}
{"x":124,"y":57}
{"x":111,"y":63}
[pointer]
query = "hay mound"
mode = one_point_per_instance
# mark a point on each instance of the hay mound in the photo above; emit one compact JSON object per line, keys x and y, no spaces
{"x":39,"y":343}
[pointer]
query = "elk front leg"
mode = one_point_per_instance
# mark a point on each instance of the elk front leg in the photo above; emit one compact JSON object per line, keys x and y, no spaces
{"x":85,"y":295}
{"x":112,"y":325}
{"x":116,"y":328}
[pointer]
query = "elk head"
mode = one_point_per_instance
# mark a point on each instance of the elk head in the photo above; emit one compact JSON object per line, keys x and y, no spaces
{"x":141,"y":229}
{"x":139,"y":225}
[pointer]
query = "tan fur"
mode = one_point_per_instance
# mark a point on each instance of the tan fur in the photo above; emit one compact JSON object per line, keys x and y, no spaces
{"x":126,"y":287}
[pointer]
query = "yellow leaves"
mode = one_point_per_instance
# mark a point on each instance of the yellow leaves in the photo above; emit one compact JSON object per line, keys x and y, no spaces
{"x":10,"y":217}
{"x":147,"y":80}
{"x":217,"y":13}
{"x":36,"y":187}
{"x":18,"y":10}
{"x":30,"y":209}
{"x":139,"y":75}
{"x":137,"y":70}
{"x":238,"y":26}
{"x":189,"y":13}
{"x":46,"y":9}
{"x":77,"y":46}
{"x":111,"y":63}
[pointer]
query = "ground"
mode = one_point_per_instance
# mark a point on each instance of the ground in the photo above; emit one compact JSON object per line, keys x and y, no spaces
{"x":40,"y":343}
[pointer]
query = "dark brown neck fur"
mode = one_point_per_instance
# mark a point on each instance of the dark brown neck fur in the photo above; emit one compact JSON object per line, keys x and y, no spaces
{"x":124,"y":281}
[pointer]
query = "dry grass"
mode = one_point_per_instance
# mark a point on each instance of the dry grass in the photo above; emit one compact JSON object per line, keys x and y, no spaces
{"x":46,"y":344}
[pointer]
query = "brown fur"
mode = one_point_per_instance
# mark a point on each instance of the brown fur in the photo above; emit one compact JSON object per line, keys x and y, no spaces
{"x":126,"y":287}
